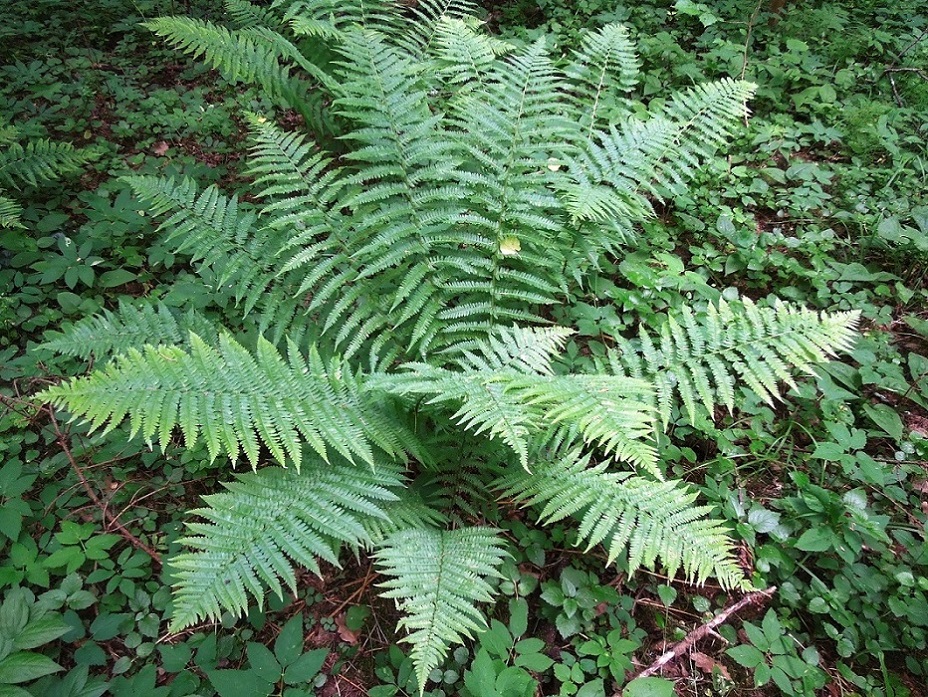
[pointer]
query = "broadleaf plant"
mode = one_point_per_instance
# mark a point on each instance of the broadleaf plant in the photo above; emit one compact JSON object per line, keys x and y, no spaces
{"x":395,"y":301}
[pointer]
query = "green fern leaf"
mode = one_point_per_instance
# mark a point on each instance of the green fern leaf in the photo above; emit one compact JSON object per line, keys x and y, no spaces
{"x":234,"y":400}
{"x":246,"y":14}
{"x":618,"y":416}
{"x":427,"y":16}
{"x":39,"y":161}
{"x":526,"y":350}
{"x":252,"y":55}
{"x":207,"y":225}
{"x":464,"y":55}
{"x":701,"y":359}
{"x":437,"y":578}
{"x":10,"y":213}
{"x":650,"y":519}
{"x":109,"y":333}
{"x":328,"y":19}
{"x":605,"y":66}
{"x":417,"y":506}
{"x":505,"y":390}
{"x":269,"y":520}
{"x":225,"y":236}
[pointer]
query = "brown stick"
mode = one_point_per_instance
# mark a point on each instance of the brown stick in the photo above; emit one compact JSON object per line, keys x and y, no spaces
{"x":757,"y":597}
{"x":109,"y":521}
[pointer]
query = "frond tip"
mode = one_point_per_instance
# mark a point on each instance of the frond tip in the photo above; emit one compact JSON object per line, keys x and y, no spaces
{"x":437,"y":576}
{"x":133,"y":324}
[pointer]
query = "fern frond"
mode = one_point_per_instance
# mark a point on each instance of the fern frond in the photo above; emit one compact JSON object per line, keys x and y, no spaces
{"x":652,"y":520}
{"x":285,"y":165}
{"x":524,"y":349}
{"x":234,"y":400}
{"x":426,"y":16}
{"x":247,"y":15}
{"x":207,"y":225}
{"x":604,"y":68}
{"x":329,"y":18}
{"x":10,"y":213}
{"x":668,"y":148}
{"x":40,"y":160}
{"x":506,"y":132}
{"x":318,"y":258}
{"x":9,"y":133}
{"x":700,"y":359}
{"x":486,"y":404}
{"x":402,"y":198}
{"x":254,"y":55}
{"x":131,"y":325}
{"x":618,"y":416}
{"x":463,"y":54}
{"x":504,"y":390}
{"x":268,"y":521}
{"x":225,"y":236}
{"x":438,"y":576}
{"x":609,"y":176}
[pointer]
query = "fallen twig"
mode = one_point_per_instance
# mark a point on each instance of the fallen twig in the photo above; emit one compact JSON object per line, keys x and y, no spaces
{"x":896,"y":68}
{"x":109,"y":520}
{"x":755,"y":598}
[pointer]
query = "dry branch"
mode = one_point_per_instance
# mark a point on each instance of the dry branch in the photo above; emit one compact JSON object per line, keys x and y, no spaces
{"x":755,"y":598}
{"x":109,"y":520}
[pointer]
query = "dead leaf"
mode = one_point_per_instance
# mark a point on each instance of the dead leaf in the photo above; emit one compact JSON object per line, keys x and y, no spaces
{"x":707,"y":664}
{"x":160,"y":148}
{"x":347,"y":635}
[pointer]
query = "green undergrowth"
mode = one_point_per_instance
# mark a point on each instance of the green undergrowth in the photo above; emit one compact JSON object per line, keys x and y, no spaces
{"x":820,"y":199}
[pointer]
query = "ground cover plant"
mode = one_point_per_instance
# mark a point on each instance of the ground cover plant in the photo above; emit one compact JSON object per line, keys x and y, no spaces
{"x":521,"y":275}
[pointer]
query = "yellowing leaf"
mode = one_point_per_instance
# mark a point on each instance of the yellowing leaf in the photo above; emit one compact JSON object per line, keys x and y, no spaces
{"x":510,"y":247}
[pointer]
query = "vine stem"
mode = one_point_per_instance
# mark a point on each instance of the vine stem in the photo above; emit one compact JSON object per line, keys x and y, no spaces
{"x":109,"y":520}
{"x":755,"y":598}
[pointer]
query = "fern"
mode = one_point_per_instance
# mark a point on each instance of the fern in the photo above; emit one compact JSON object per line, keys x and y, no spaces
{"x":256,"y":53}
{"x":40,"y":161}
{"x":239,"y":55}
{"x":328,"y":18}
{"x":464,"y":55}
{"x":269,"y":520}
{"x":300,"y":189}
{"x":501,"y":394}
{"x":110,"y":333}
{"x":416,"y":506}
{"x":437,"y":578}
{"x":10,"y":213}
{"x":701,"y":359}
{"x":214,"y":229}
{"x":427,"y":17}
{"x":410,"y":275}
{"x":649,"y":518}
{"x":248,"y":15}
{"x":234,"y":400}
{"x":443,"y":226}
{"x":507,"y":132}
{"x":604,"y":67}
